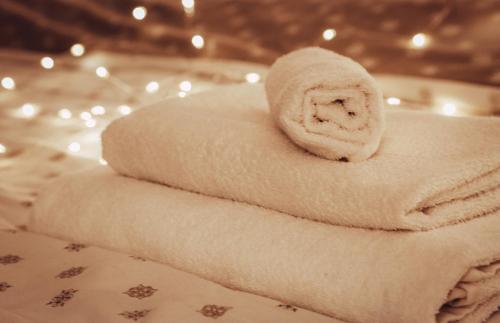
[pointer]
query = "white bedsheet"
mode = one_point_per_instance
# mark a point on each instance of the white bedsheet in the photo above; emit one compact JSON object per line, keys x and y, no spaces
{"x":48,"y":280}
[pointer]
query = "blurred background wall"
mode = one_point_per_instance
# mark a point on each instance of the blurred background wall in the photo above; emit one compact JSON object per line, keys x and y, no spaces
{"x":450,"y":39}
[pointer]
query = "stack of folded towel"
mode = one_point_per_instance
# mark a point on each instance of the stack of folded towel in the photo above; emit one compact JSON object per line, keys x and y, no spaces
{"x":311,"y":195}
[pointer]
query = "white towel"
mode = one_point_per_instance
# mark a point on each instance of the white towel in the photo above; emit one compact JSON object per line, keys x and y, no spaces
{"x":326,"y":103}
{"x":357,"y":275}
{"x":430,"y":170}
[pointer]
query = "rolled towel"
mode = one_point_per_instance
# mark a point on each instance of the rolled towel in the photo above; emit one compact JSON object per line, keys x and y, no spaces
{"x":451,"y":274}
{"x":430,"y":170}
{"x":326,"y":103}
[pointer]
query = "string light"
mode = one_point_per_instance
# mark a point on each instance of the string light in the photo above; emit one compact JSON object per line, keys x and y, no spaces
{"x":152,"y":87}
{"x":74,"y":147}
{"x":98,"y":110}
{"x":64,"y":114}
{"x":329,"y":34}
{"x":47,"y":62}
{"x":90,"y":123}
{"x":85,"y":116}
{"x":449,"y":109}
{"x":188,"y":6}
{"x":139,"y":13}
{"x":185,"y":86}
{"x":182,"y":94}
{"x":8,"y":83}
{"x":28,"y":110}
{"x":3,"y":149}
{"x":420,"y":40}
{"x":393,"y":101}
{"x":102,"y":72}
{"x":252,"y":77}
{"x":77,"y":50}
{"x":124,"y":109}
{"x":198,"y":41}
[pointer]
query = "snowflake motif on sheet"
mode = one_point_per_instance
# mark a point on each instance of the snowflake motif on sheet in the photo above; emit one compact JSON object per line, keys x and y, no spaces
{"x":134,"y":315}
{"x":214,"y":311}
{"x":288,"y":307}
{"x":4,"y":286}
{"x":138,"y":258}
{"x":61,"y":298}
{"x":75,"y":247}
{"x":72,"y":272}
{"x":9,"y":259}
{"x":140,"y":291}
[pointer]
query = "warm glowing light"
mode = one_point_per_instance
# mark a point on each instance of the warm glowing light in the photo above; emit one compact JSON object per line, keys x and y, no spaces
{"x":29,"y":110}
{"x":74,"y":147}
{"x":420,"y":40}
{"x":188,"y":4}
{"x":64,"y":114}
{"x":252,"y":77}
{"x":393,"y":101}
{"x":85,"y":115}
{"x":77,"y":50}
{"x":329,"y":34}
{"x":182,"y":94}
{"x":102,"y":72}
{"x":98,"y":110}
{"x":198,"y":41}
{"x":152,"y":87}
{"x":185,"y":86}
{"x":124,"y":109}
{"x":3,"y":149}
{"x":90,"y":123}
{"x":139,"y":13}
{"x":47,"y":62}
{"x":102,"y":161}
{"x":449,"y":108}
{"x":8,"y":83}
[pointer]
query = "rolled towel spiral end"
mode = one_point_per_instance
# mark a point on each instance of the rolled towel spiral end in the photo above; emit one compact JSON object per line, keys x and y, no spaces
{"x":326,"y":103}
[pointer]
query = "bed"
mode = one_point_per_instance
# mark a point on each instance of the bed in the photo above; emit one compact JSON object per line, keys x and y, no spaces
{"x":50,"y":122}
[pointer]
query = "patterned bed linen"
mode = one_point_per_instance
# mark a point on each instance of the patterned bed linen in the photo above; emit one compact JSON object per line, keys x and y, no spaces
{"x":48,"y":280}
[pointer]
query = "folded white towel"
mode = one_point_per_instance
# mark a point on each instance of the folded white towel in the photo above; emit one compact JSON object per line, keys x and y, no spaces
{"x":326,"y":103}
{"x":430,"y":170}
{"x":358,"y":275}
